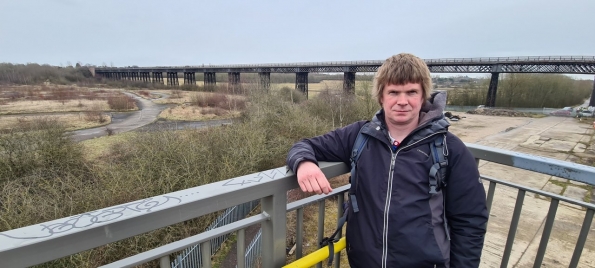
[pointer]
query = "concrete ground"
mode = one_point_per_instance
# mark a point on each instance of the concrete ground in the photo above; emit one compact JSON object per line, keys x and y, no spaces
{"x":555,"y":137}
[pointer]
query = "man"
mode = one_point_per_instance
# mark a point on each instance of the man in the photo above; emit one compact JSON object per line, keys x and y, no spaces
{"x":400,"y":221}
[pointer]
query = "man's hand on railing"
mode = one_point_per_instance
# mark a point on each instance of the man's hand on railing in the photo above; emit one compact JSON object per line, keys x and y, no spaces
{"x":311,"y":178}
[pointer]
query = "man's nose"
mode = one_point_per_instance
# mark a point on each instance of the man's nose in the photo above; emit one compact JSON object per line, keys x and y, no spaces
{"x":401,"y":99}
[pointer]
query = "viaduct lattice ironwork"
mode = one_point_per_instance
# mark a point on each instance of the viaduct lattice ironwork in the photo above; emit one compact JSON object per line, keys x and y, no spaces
{"x":493,"y":65}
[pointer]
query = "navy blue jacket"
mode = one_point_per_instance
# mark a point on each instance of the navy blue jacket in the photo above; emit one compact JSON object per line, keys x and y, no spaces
{"x":399,"y":224}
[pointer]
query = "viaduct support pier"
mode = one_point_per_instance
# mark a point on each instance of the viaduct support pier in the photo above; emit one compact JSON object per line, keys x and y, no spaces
{"x":264,"y":81}
{"x":491,"y":98}
{"x":158,"y":77}
{"x":301,"y":82}
{"x":233,"y":82}
{"x":189,"y":78}
{"x":210,"y":79}
{"x":349,"y":82}
{"x":172,"y":79}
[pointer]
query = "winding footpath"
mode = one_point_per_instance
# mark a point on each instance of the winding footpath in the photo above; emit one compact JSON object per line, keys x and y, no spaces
{"x":123,"y":122}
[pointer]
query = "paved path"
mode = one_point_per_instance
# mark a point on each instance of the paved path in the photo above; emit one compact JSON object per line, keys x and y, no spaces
{"x":122,"y":122}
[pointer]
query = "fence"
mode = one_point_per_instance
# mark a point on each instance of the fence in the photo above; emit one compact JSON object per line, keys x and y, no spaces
{"x":191,"y":257}
{"x":253,"y":251}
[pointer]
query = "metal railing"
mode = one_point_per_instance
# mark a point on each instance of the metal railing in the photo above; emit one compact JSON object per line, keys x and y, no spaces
{"x":40,"y":243}
{"x":253,"y":251}
{"x":191,"y":257}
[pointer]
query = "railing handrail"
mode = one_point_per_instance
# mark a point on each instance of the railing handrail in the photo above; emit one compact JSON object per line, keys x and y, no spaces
{"x":541,"y":164}
{"x":36,"y":244}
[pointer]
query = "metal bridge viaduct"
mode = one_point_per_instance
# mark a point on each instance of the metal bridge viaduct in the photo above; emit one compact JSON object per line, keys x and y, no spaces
{"x":492,"y":65}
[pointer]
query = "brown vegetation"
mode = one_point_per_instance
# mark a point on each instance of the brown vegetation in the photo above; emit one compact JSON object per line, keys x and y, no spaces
{"x":32,"y":99}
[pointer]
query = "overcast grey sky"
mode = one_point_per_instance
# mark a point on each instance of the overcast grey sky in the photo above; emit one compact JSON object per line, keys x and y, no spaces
{"x":157,"y":33}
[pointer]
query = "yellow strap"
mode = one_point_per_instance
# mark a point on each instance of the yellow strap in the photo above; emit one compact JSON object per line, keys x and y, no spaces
{"x":317,"y":256}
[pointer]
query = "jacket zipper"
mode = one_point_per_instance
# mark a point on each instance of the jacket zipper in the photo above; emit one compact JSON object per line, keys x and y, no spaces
{"x":389,"y":197}
{"x":386,"y":204}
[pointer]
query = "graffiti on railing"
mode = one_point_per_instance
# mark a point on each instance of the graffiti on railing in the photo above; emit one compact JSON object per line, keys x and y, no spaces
{"x":258,"y":177}
{"x":100,"y":216}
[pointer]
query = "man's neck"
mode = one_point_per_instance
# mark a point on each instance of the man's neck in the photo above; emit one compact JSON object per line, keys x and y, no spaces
{"x":400,"y":132}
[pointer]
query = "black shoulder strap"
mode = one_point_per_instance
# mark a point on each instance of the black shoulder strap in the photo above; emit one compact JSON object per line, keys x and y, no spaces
{"x":438,"y":172}
{"x":358,"y":146}
{"x":438,"y":169}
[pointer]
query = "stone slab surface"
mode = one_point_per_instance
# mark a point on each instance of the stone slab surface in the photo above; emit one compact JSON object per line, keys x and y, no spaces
{"x":549,"y":137}
{"x":553,"y":188}
{"x":575,"y":192}
{"x":559,"y":145}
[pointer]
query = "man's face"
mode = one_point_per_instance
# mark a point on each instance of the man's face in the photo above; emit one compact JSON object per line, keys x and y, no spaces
{"x":402,"y":103}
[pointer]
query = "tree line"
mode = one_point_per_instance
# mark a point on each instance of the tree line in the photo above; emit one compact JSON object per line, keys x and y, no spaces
{"x":32,"y":73}
{"x":526,"y":90}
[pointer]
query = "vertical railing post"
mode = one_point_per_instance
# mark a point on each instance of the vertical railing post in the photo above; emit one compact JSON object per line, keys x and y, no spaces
{"x":164,"y":262}
{"x":299,"y":233}
{"x":490,"y":198}
{"x":340,"y":200}
{"x":273,"y":230}
{"x":320,"y":225}
{"x":547,"y":230}
{"x":516,"y":215}
{"x":582,"y":238}
{"x":205,"y":250}
{"x":241,"y":244}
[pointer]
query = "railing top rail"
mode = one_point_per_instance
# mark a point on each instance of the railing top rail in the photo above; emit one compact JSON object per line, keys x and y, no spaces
{"x":550,"y":166}
{"x":540,"y":192}
{"x":476,"y":60}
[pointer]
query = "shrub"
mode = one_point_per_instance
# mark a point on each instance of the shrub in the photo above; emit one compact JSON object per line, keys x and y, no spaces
{"x":291,"y":95}
{"x":210,"y":100}
{"x":144,"y":93}
{"x":120,"y":102}
{"x":95,"y":115}
{"x":176,"y":94}
{"x":39,"y":149}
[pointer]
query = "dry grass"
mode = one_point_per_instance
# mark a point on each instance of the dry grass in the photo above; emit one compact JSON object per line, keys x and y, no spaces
{"x":44,"y":99}
{"x":315,"y":88}
{"x":187,"y":96}
{"x":193,"y":113}
{"x":99,"y":148}
{"x":45,"y":106}
{"x":69,"y":121}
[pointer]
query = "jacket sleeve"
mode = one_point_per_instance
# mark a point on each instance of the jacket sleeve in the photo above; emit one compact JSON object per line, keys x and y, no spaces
{"x":334,"y":146}
{"x":466,"y":210}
